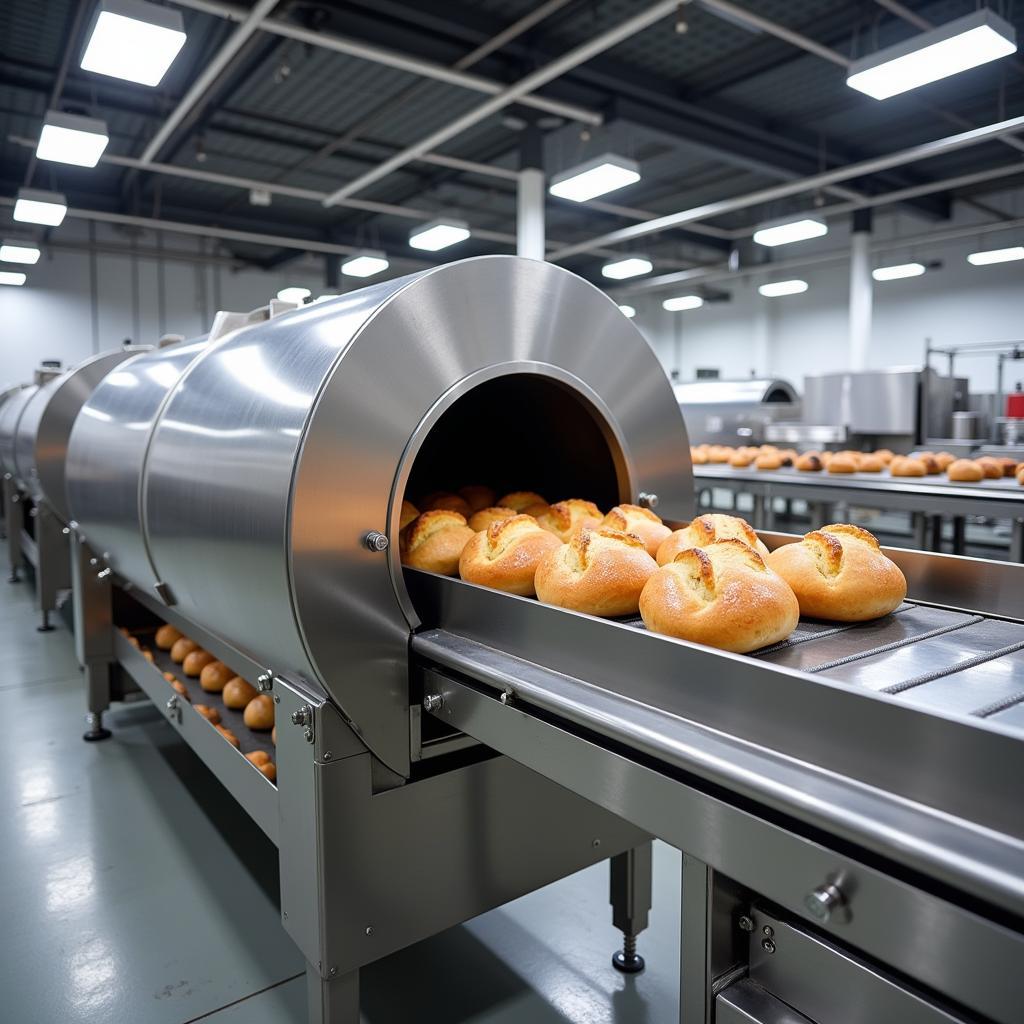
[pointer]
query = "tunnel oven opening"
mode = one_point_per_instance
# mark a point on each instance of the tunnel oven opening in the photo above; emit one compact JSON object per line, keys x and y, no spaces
{"x":522,"y":432}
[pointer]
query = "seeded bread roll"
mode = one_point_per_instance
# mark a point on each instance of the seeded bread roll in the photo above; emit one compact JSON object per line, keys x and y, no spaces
{"x":705,"y":530}
{"x":521,"y":501}
{"x":840,"y":573}
{"x":965,"y":471}
{"x":213,"y":676}
{"x":435,"y":541}
{"x":196,"y":661}
{"x":723,"y":596}
{"x":991,"y":467}
{"x":477,"y":496}
{"x":902,"y":466}
{"x":408,"y":514}
{"x":167,"y":636}
{"x":447,"y":502}
{"x":564,"y":518}
{"x":810,"y":462}
{"x":506,"y":555}
{"x":842,"y":463}
{"x":481,"y":520}
{"x":641,"y":522}
{"x":600,"y":571}
{"x":182,"y":646}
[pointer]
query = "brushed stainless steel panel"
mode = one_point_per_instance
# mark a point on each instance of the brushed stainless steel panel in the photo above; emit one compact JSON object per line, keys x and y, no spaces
{"x":973,"y":690}
{"x":10,"y":414}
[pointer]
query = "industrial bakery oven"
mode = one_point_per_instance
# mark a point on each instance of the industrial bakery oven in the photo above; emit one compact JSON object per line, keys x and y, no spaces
{"x":246,"y":489}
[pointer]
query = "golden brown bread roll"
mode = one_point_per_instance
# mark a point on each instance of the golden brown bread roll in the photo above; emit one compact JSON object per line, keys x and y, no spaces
{"x":259,"y":712}
{"x":945,"y":460}
{"x":885,"y":454}
{"x":723,"y":596}
{"x":991,"y":467}
{"x":495,"y":514}
{"x":505,"y":556}
{"x":237,"y":693}
{"x":641,"y":522}
{"x":719,"y":453}
{"x":1009,"y":466}
{"x":521,"y":501}
{"x":740,"y":459}
{"x":273,"y":735}
{"x":134,"y":641}
{"x":564,"y":518}
{"x":600,"y":571}
{"x":903,"y":466}
{"x":809,"y":463}
{"x":870,"y":464}
{"x":196,"y":661}
{"x":931,"y":464}
{"x":434,"y":542}
{"x":167,"y":636}
{"x":181,"y":647}
{"x":170,"y":677}
{"x":965,"y":471}
{"x":180,"y":689}
{"x":446,"y":502}
{"x":257,"y":757}
{"x":212,"y":715}
{"x":768,"y":460}
{"x":213,"y":676}
{"x":842,"y":463}
{"x":705,"y":530}
{"x":1020,"y":474}
{"x":269,"y":769}
{"x":698,"y":457}
{"x":147,"y":654}
{"x":408,"y":514}
{"x":227,"y":734}
{"x":840,"y":573}
{"x":477,"y":496}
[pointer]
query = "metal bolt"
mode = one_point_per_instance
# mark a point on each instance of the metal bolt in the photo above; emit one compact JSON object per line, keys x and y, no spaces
{"x":172,"y":703}
{"x":768,"y":931}
{"x":264,"y":682}
{"x":433,"y":702}
{"x":646,"y":500}
{"x":66,"y":532}
{"x":277,"y":699}
{"x":284,"y":914}
{"x":302,"y":716}
{"x":308,"y":735}
{"x":328,"y":755}
{"x":376,"y":541}
{"x":334,"y":971}
{"x":104,"y":573}
{"x":595,"y":843}
{"x":507,"y":697}
{"x":94,"y":561}
{"x":768,"y":946}
{"x":746,"y":924}
{"x":369,"y":929}
{"x":820,"y":903}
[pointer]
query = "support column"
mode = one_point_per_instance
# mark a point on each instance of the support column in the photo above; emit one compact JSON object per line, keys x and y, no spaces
{"x":530,"y":195}
{"x":861,"y":290}
{"x":332,"y":273}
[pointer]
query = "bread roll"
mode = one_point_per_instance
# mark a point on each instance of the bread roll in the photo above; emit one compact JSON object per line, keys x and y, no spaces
{"x":259,"y":712}
{"x":965,"y":471}
{"x":214,"y":675}
{"x":408,"y":514}
{"x":741,"y":460}
{"x":931,"y":464}
{"x":257,"y":757}
{"x":447,"y":502}
{"x":945,"y":460}
{"x":789,"y":456}
{"x":870,"y":464}
{"x":269,"y":769}
{"x":991,"y":467}
{"x":167,"y":636}
{"x":273,"y":735}
{"x":723,"y":596}
{"x":196,"y":661}
{"x":227,"y":734}
{"x":600,"y":571}
{"x":210,"y":714}
{"x":719,"y":453}
{"x":902,"y":466}
{"x":147,"y":654}
{"x":842,"y":463}
{"x":170,"y":677}
{"x":809,"y":463}
{"x":705,"y":530}
{"x":1009,"y":466}
{"x":180,"y":689}
{"x":495,"y":514}
{"x":434,"y":542}
{"x":885,"y":454}
{"x":477,"y":496}
{"x":698,"y":457}
{"x":768,"y":460}
{"x":641,"y":522}
{"x":237,"y":693}
{"x":181,"y":647}
{"x":1020,"y":474}
{"x":840,"y":573}
{"x":564,"y":518}
{"x":505,"y":556}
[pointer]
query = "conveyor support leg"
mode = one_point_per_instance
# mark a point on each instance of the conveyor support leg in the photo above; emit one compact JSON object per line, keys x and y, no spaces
{"x":95,"y":730}
{"x":14,"y":514}
{"x":44,"y":622}
{"x":695,"y":983}
{"x":959,"y":523}
{"x":332,"y":1000}
{"x":1017,"y":540}
{"x":631,"y":881}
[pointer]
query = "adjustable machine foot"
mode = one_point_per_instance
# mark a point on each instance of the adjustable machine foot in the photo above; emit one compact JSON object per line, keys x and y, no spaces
{"x":44,"y":626}
{"x":628,"y":960}
{"x":95,"y":732}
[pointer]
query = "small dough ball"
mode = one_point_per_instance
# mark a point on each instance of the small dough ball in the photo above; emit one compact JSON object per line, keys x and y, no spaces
{"x":148,"y":655}
{"x":227,"y":734}
{"x":213,"y":676}
{"x":273,"y":735}
{"x":195,"y":661}
{"x":259,"y":712}
{"x":269,"y":769}
{"x":210,"y":714}
{"x":257,"y":757}
{"x":134,"y":641}
{"x":237,"y":693}
{"x":167,"y":636}
{"x":170,"y":677}
{"x":181,"y":648}
{"x":179,"y":687}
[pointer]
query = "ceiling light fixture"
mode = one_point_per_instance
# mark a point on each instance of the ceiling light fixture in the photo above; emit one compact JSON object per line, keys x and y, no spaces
{"x":988,"y":256}
{"x":631,"y":266}
{"x":957,"y":46}
{"x":595,"y":178}
{"x":365,"y":264}
{"x":294,"y":294}
{"x":439,"y":234}
{"x":72,"y":139}
{"x":12,"y":277}
{"x":33,"y":206}
{"x":19,"y":251}
{"x":793,"y":231}
{"x":133,"y":40}
{"x":682,"y":302}
{"x":627,"y":311}
{"x":777,"y":288}
{"x":898,"y":271}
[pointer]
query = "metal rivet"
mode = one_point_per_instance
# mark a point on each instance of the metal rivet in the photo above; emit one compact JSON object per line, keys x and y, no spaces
{"x":308,"y":734}
{"x":277,"y":699}
{"x":433,"y":702}
{"x":284,"y":914}
{"x":768,"y":930}
{"x":507,"y":697}
{"x":369,"y":929}
{"x":746,"y":924}
{"x":334,"y":971}
{"x":328,"y":755}
{"x":768,"y":946}
{"x":595,"y":843}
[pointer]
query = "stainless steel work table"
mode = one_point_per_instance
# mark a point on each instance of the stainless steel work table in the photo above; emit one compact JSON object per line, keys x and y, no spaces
{"x":923,"y":497}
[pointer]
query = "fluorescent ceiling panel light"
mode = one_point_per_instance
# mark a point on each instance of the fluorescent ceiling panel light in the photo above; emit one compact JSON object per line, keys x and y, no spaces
{"x":627,"y":311}
{"x":439,"y":234}
{"x":894,"y":273}
{"x":134,"y":40}
{"x":11,"y":277}
{"x":15,"y":251}
{"x":776,"y":288}
{"x":632,"y":266}
{"x":294,"y":294}
{"x":33,"y":206}
{"x":795,"y":231}
{"x":365,"y":264}
{"x":681,"y":302}
{"x":595,"y":178}
{"x":71,"y":139}
{"x":983,"y":259}
{"x":947,"y":50}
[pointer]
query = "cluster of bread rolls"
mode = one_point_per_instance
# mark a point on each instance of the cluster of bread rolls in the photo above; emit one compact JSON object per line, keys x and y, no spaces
{"x":765,"y":456}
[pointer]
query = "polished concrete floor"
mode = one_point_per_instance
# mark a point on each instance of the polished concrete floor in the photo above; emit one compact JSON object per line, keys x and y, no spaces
{"x":134,"y":890}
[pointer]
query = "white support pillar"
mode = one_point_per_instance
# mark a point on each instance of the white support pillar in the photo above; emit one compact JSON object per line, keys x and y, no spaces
{"x":530,"y":214}
{"x":861,"y":290}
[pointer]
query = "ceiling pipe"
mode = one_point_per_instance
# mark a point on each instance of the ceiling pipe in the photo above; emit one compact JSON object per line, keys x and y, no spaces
{"x":926,"y":150}
{"x":393,"y":59}
{"x":579,"y":55}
